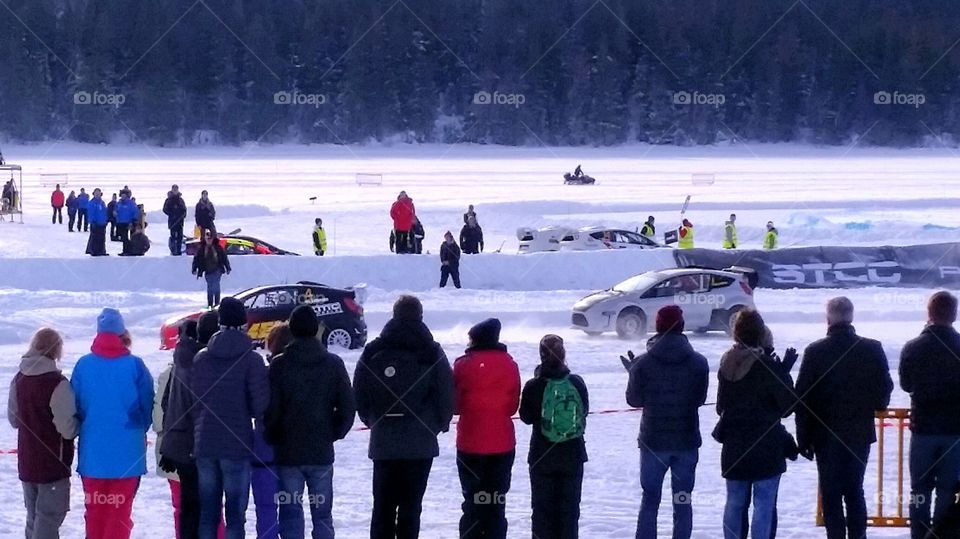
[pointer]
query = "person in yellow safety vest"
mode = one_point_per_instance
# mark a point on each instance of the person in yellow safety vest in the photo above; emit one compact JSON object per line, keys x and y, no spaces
{"x":686,"y":235}
{"x":771,"y":238}
{"x":730,"y":232}
{"x":319,"y":238}
{"x":648,"y":229}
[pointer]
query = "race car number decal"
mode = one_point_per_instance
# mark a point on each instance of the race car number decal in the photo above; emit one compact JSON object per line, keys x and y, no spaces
{"x":327,"y":309}
{"x":260,"y":330}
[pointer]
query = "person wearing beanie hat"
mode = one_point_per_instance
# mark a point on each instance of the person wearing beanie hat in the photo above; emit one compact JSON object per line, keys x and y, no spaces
{"x":311,"y":406}
{"x":403,"y":386}
{"x":669,"y":382}
{"x":114,"y":396}
{"x":230,"y":383}
{"x":557,"y":447}
{"x":649,"y":229}
{"x":685,"y":235}
{"x":449,"y":261}
{"x":319,"y":237}
{"x":42,"y":407}
{"x":486,"y":383}
{"x":207,"y":325}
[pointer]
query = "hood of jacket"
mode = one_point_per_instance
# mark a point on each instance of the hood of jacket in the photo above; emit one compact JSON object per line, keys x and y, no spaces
{"x":406,"y":335}
{"x":738,"y":360}
{"x":229,"y":344}
{"x":303,"y":349}
{"x":669,"y":347}
{"x":37,"y":364}
{"x":109,"y":346}
{"x":185,"y":351}
{"x":551,"y":371}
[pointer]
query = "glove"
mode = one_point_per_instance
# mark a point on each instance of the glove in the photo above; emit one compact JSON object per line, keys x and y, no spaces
{"x":629,"y":360}
{"x":167,"y":465}
{"x":790,"y":358}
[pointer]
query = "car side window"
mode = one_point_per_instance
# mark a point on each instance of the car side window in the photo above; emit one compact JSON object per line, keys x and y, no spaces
{"x":251,"y":302}
{"x":598,"y":235}
{"x":630,"y":237}
{"x":717,"y":281}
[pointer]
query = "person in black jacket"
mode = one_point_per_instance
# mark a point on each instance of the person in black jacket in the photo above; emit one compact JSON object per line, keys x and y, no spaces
{"x":556,"y":468}
{"x":403,"y":384}
{"x":471,"y":237}
{"x":211,"y":262}
{"x":449,"y":261}
{"x":176,"y":211}
{"x":670,"y":383}
{"x":844,"y":380}
{"x":930,"y":373}
{"x":112,"y":218}
{"x":137,"y":245}
{"x":416,"y":236}
{"x":205,"y":213}
{"x":311,"y":406}
{"x":755,"y":392}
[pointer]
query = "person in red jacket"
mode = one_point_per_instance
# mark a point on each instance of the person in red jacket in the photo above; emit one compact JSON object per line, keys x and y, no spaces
{"x":403,"y":213}
{"x":487,"y":394}
{"x":56,"y":201}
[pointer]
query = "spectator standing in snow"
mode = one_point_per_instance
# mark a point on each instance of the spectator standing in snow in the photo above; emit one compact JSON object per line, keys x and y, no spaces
{"x":127,"y":214}
{"x":319,"y":237}
{"x":404,"y":390}
{"x":83,"y":199}
{"x":176,"y":211}
{"x":264,"y":473}
{"x":486,"y":395}
{"x":471,"y":237}
{"x":176,"y":444}
{"x":418,"y":235}
{"x":649,"y":230}
{"x":930,"y":373}
{"x":114,"y":393}
{"x":112,"y":218}
{"x":211,"y":262}
{"x":71,"y":211}
{"x":755,"y":392}
{"x":771,"y":237}
{"x":96,"y":215}
{"x":843,"y":381}
{"x":685,"y":235}
{"x":403,"y":212}
{"x":556,"y":404}
{"x":468,"y":214}
{"x":730,"y":232}
{"x":205,"y":214}
{"x":138,"y":245}
{"x":670,"y":383}
{"x":311,"y":406}
{"x":56,"y":202}
{"x":449,"y":261}
{"x":42,"y":407}
{"x":230,"y":382}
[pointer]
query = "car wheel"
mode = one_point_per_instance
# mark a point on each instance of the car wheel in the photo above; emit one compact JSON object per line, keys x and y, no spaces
{"x":339,"y":337}
{"x":631,"y":324}
{"x":731,"y":318}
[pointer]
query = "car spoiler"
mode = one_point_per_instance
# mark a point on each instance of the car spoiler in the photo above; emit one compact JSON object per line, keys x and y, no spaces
{"x":751,"y":274}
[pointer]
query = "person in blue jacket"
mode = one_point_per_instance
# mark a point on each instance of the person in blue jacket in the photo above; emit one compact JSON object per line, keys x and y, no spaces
{"x":114,"y":392}
{"x":127,"y":215}
{"x":97,"y":217}
{"x":83,"y":199}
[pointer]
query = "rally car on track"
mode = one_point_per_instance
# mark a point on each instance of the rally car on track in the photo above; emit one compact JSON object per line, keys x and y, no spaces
{"x":241,"y":245}
{"x":596,"y":238}
{"x":541,"y":240}
{"x":340,"y":312}
{"x":709,"y":298}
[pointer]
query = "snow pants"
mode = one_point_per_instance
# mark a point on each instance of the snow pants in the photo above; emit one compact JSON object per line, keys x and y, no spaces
{"x":109,"y":504}
{"x":47,"y":505}
{"x":555,"y":499}
{"x":485,"y":481}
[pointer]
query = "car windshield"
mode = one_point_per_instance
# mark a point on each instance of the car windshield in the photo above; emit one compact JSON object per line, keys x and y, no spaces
{"x":636,"y":283}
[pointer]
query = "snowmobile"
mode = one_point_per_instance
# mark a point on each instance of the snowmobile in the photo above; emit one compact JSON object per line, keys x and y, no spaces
{"x":581,"y":179}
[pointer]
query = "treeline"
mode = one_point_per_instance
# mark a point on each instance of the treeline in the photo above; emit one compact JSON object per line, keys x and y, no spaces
{"x":554,"y":72}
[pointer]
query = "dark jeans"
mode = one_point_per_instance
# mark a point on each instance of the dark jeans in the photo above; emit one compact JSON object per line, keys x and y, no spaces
{"x":71,"y":218}
{"x":176,"y":239}
{"x":82,"y":222}
{"x":265,"y":483}
{"x":653,"y":467}
{"x":934,"y":465}
{"x":58,"y":214}
{"x":213,"y":288}
{"x":189,"y":522}
{"x":402,"y":242}
{"x":219,"y":479}
{"x":764,"y":494}
{"x":123,"y":232}
{"x":484,"y":481}
{"x":398,"y":487}
{"x":841,"y":467}
{"x":319,"y":488}
{"x":113,"y":229}
{"x":97,"y":242}
{"x":449,"y":271}
{"x":555,"y":498}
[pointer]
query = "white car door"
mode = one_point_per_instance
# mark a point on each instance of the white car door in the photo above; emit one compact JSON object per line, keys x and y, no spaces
{"x":685,"y":291}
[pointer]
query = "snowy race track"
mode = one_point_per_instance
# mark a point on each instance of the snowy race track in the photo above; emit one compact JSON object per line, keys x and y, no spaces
{"x":815,"y":196}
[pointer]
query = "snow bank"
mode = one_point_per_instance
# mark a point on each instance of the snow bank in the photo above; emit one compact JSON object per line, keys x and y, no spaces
{"x":534,"y":272}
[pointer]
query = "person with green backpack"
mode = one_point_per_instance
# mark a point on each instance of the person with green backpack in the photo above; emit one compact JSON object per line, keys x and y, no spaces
{"x":555,"y":402}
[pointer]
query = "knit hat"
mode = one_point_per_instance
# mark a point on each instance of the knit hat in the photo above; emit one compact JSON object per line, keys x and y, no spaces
{"x":232,"y":313}
{"x":110,"y":321}
{"x":670,"y":319}
{"x":207,"y":325}
{"x":686,"y":222}
{"x":551,"y":349}
{"x":189,"y":329}
{"x":448,"y":234}
{"x":485,"y":333}
{"x":303,"y":322}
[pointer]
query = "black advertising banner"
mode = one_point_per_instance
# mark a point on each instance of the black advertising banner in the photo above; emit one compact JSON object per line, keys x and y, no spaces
{"x":914,"y":266}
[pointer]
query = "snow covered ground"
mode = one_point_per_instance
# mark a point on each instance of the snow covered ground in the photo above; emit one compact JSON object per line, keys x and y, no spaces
{"x":816,"y":196}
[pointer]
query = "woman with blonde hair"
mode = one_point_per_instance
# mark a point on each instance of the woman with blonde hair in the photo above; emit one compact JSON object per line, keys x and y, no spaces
{"x":42,"y":408}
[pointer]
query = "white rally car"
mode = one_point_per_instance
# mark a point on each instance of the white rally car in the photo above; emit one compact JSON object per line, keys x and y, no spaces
{"x":596,"y":238}
{"x":709,"y":299}
{"x":541,"y":240}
